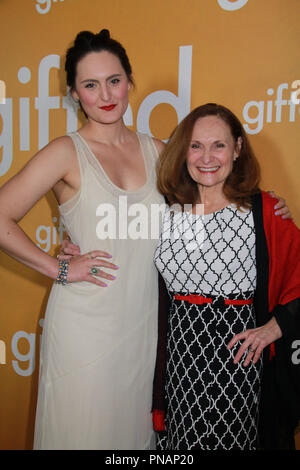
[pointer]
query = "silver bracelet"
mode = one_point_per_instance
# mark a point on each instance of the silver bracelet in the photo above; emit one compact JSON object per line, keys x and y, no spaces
{"x":62,"y":272}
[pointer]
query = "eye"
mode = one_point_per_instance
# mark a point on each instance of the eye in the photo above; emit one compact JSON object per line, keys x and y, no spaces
{"x":194,"y":145}
{"x":90,"y":85}
{"x":115,"y":81}
{"x":220,"y":145}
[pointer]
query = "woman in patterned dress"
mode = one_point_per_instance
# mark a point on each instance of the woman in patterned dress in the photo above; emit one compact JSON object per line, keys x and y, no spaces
{"x":210,"y":364}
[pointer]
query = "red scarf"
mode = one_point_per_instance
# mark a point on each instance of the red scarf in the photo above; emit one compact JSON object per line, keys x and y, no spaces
{"x":283,"y":240}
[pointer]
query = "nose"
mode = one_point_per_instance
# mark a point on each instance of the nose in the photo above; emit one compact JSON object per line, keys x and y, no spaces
{"x":104,"y":93}
{"x":206,"y":156}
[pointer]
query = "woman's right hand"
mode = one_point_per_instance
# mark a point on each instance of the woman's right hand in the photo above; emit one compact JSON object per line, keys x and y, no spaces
{"x":80,"y":268}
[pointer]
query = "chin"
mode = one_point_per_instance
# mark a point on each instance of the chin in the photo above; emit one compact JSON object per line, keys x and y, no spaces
{"x":107,"y":119}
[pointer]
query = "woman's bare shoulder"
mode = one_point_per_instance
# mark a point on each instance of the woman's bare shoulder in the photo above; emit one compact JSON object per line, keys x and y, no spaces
{"x":62,"y":143}
{"x":60,"y":149}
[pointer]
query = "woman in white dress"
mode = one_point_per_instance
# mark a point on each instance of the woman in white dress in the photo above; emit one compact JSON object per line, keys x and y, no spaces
{"x":100,"y":332}
{"x":99,"y":339}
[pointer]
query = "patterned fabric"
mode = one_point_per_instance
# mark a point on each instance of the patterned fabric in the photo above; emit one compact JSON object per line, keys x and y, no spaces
{"x":212,"y":403}
{"x":213,"y":253}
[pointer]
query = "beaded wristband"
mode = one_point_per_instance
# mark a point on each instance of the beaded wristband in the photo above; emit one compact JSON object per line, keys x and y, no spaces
{"x":62,"y":272}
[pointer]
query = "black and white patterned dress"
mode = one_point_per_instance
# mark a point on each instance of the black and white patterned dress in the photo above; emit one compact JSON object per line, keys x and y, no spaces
{"x":212,"y":403}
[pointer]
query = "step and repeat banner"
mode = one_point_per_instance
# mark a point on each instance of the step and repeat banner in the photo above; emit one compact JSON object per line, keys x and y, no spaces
{"x":243,"y":54}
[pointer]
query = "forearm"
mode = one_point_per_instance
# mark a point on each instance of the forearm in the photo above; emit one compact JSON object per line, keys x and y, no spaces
{"x":273,"y":329}
{"x":18,"y":245}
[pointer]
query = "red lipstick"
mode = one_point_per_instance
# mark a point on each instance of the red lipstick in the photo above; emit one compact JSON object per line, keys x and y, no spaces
{"x":108,"y":108}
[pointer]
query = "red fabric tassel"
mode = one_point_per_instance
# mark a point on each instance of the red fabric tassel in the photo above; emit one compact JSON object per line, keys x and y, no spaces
{"x":158,"y":418}
{"x":272,"y":351}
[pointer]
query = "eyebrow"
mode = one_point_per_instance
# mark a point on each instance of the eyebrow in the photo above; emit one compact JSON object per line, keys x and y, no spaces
{"x":97,"y":81}
{"x":215,"y":141}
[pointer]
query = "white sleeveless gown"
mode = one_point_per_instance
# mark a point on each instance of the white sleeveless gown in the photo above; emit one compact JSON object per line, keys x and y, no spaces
{"x":99,"y":344}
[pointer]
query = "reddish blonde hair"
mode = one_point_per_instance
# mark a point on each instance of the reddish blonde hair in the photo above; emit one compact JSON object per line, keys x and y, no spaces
{"x":173,"y":179}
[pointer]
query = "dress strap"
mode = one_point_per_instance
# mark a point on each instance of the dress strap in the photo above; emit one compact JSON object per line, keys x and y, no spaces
{"x":80,"y":152}
{"x":150,"y":154}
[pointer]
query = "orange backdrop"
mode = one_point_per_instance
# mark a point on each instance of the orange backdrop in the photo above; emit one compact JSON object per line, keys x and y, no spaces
{"x":241,"y":53}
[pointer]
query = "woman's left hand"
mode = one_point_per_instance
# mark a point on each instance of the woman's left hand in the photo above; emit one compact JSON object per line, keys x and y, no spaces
{"x":255,"y":340}
{"x":281,"y":207}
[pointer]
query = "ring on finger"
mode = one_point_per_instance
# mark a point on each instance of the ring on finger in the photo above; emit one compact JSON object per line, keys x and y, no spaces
{"x":251,"y":350}
{"x":90,"y":256}
{"x":94,"y":270}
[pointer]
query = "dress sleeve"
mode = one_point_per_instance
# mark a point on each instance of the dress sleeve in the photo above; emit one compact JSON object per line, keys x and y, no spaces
{"x":288,"y":317}
{"x":158,"y":404}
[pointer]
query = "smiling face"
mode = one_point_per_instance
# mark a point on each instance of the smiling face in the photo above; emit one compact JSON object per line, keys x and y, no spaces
{"x":102,"y":87}
{"x":211,"y":152}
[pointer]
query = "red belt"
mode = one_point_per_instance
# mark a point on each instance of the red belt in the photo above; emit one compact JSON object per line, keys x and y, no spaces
{"x":193,"y":299}
{"x":199,"y":300}
{"x":238,"y":302}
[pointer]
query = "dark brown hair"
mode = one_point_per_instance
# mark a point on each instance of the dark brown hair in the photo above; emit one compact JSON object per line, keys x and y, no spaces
{"x":86,"y":42}
{"x":174,"y":181}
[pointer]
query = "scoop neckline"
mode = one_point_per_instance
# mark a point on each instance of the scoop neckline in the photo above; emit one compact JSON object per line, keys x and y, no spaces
{"x":105,"y":175}
{"x":231,"y":205}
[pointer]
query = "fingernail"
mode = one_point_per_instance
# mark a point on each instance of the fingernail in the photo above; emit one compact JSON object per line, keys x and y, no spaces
{"x":113,"y":277}
{"x":116,"y":267}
